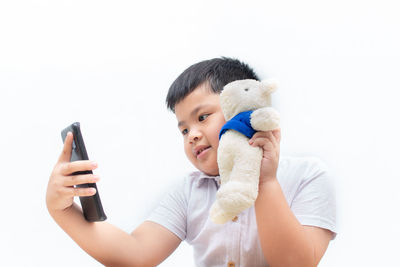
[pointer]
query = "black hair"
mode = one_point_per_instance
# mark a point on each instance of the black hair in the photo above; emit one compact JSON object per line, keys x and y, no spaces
{"x":217,"y":72}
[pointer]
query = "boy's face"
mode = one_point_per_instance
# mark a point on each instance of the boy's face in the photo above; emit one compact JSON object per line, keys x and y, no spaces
{"x":200,"y":119}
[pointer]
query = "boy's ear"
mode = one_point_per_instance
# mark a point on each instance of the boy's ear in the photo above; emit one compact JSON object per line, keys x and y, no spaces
{"x":269,"y":85}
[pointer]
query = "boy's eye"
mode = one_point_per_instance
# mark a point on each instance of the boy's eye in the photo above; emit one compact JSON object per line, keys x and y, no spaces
{"x":203,"y":117}
{"x":184,"y":131}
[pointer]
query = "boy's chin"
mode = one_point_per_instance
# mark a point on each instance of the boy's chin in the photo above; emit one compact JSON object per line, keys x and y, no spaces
{"x":206,"y":168}
{"x":211,"y":172}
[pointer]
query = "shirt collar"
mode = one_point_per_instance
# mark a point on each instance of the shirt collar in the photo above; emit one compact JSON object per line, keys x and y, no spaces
{"x":202,"y":177}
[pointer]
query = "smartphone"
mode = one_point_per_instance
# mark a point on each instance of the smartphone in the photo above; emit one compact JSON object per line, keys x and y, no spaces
{"x":91,"y":205}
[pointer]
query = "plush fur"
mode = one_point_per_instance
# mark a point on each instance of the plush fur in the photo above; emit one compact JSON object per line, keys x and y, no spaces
{"x":239,"y":163}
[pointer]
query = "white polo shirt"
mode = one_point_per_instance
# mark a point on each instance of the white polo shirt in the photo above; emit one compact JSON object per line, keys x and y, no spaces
{"x":305,"y":183}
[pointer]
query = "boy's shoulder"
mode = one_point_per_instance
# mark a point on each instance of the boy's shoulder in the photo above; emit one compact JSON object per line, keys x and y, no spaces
{"x":299,"y":163}
{"x":301,"y":169}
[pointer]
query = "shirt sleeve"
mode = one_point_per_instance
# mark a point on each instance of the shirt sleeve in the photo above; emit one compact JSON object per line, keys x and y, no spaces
{"x":171,"y":212}
{"x":314,"y":202}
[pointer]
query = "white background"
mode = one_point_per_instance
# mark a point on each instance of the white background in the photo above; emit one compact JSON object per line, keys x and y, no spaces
{"x":109,"y":64}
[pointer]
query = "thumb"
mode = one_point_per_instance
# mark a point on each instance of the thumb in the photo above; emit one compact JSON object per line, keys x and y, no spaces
{"x":67,"y":149}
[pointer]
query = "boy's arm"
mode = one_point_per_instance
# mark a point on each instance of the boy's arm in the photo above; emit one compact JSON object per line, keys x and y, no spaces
{"x":284,"y":241}
{"x":148,"y":245}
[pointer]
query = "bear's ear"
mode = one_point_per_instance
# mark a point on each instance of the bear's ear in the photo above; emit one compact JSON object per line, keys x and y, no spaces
{"x":269,"y":85}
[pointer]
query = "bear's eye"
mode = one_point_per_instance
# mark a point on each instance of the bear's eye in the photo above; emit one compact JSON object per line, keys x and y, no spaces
{"x":246,"y":89}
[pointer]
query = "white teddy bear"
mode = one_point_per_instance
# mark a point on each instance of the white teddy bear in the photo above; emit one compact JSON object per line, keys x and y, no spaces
{"x":246,"y":107}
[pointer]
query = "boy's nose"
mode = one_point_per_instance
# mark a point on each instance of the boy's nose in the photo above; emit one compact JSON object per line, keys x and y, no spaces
{"x":194,"y":136}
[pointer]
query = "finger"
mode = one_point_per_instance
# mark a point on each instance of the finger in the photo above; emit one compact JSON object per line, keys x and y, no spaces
{"x":263,"y":135}
{"x":276,"y":138}
{"x":69,"y":168}
{"x":277,"y":134}
{"x":83,"y":192}
{"x":273,"y":140}
{"x":258,"y":135}
{"x":264,"y":143}
{"x":81,"y":179}
{"x":67,"y":149}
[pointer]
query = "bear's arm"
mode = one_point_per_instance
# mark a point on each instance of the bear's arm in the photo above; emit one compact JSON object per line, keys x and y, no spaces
{"x":264,"y":119}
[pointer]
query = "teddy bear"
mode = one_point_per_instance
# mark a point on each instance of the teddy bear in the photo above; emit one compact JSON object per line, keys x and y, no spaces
{"x":246,"y":106}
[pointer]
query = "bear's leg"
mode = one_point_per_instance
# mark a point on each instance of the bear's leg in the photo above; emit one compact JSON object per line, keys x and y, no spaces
{"x":240,"y":190}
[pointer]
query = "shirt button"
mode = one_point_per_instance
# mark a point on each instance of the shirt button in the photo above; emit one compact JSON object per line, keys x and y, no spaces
{"x":235,"y":219}
{"x":231,"y":264}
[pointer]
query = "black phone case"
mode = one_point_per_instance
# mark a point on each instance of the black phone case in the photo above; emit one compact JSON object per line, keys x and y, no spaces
{"x":91,"y":206}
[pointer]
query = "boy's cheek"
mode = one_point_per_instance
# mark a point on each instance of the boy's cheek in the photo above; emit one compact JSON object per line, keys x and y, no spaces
{"x":189,"y":154}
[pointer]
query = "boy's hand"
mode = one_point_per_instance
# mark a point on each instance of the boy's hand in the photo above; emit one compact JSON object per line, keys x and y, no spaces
{"x":60,"y":189}
{"x":270,"y":143}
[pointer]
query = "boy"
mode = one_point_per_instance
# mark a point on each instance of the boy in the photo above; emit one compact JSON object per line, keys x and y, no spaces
{"x":291,"y":223}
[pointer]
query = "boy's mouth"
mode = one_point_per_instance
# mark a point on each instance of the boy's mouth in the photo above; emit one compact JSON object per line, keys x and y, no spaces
{"x":198,"y":151}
